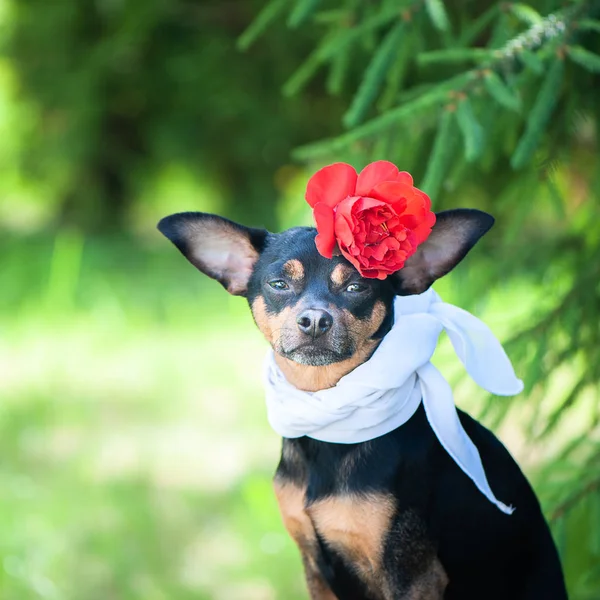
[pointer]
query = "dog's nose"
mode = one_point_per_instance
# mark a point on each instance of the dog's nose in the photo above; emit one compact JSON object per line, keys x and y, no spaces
{"x":314,"y":322}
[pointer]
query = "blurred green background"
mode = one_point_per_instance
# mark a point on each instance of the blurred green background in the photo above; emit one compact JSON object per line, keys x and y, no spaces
{"x":136,"y":458}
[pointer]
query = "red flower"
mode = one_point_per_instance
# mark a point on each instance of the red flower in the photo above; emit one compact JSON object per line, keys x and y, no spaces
{"x":377,"y":218}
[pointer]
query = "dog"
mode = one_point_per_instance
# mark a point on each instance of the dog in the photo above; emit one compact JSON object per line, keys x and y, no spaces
{"x":393,"y":518}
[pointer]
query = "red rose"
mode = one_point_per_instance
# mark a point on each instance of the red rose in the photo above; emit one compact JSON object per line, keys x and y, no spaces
{"x":377,"y":218}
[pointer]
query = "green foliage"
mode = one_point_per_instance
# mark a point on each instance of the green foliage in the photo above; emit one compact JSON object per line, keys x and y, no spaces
{"x":437,"y":14}
{"x":540,"y":114}
{"x":336,"y":41}
{"x":441,"y":155}
{"x":502,"y":93}
{"x":525,"y":13}
{"x":135,"y":91}
{"x":588,"y":25}
{"x":383,"y":123}
{"x":588,"y":60}
{"x":135,"y":466}
{"x":114,"y":113}
{"x":532,"y":62}
{"x":494,"y":105}
{"x":302,"y":11}
{"x":454,"y":55}
{"x":471,"y":130}
{"x":268,"y":14}
{"x":374,"y":76}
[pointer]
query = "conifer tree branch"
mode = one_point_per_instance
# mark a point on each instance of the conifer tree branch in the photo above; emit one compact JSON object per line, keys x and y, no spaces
{"x":572,"y":501}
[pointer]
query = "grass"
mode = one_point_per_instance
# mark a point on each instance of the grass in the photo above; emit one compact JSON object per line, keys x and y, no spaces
{"x":136,"y":457}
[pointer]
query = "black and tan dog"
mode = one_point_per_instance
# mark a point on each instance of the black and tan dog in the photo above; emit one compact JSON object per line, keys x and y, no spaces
{"x":395,"y":517}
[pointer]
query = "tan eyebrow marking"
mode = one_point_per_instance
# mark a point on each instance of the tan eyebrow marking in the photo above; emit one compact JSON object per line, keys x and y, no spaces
{"x":340,"y":273}
{"x":294,"y":269}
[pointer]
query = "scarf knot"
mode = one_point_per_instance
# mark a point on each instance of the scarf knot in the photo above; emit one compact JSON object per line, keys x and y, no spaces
{"x":385,"y":391}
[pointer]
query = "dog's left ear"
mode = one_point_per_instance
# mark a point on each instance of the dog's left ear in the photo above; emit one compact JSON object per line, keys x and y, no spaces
{"x":216,"y":246}
{"x":453,"y":235}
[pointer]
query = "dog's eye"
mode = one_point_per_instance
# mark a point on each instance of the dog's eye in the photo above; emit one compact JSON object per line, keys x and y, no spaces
{"x":279,"y":284}
{"x":353,"y":288}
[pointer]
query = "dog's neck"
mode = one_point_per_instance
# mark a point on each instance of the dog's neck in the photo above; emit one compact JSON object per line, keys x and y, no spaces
{"x":385,"y":392}
{"x":313,"y":379}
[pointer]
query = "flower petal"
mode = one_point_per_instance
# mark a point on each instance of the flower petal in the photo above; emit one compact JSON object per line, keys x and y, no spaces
{"x":392,"y":191}
{"x":367,"y":203}
{"x":325,"y":240}
{"x":343,"y":230}
{"x":404,"y":177}
{"x":423,"y":229}
{"x":331,"y":185}
{"x":350,"y":258}
{"x":371,"y":175}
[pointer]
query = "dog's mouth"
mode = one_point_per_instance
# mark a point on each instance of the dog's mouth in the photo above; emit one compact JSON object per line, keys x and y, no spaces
{"x":315,"y":356}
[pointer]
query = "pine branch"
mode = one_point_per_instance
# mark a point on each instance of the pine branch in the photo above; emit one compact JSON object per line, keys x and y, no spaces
{"x":383,"y":122}
{"x":332,"y":46}
{"x":543,"y":31}
{"x":573,"y":395}
{"x":572,"y":501}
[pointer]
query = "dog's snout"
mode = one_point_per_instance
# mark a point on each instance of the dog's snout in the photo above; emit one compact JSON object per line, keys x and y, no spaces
{"x":314,"y":322}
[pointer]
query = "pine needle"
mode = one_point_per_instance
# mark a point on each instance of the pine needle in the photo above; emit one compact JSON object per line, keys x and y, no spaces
{"x":540,"y":115}
{"x":588,"y":60}
{"x":301,"y":12}
{"x":337,"y":73}
{"x":438,"y":15}
{"x":454,"y":55}
{"x":504,"y":95}
{"x":525,"y":13}
{"x":471,"y":130}
{"x":588,"y":25}
{"x":440,"y":155}
{"x":264,"y":18}
{"x":374,"y":76}
{"x":479,"y":25}
{"x":332,"y":45}
{"x":532,"y":61}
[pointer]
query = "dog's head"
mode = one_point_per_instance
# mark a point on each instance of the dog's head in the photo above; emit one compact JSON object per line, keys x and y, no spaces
{"x":320,"y":316}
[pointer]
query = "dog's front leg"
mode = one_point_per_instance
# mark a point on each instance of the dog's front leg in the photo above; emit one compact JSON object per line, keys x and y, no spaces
{"x":389,"y":550}
{"x":429,"y":585}
{"x":290,"y":498}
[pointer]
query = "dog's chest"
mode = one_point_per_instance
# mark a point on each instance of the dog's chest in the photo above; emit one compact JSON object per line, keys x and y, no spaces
{"x":339,"y":505}
{"x":326,"y":512}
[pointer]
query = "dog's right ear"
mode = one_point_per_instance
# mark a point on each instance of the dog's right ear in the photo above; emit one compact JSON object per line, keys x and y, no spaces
{"x":216,"y":246}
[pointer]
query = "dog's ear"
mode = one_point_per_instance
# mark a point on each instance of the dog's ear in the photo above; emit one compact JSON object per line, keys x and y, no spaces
{"x":216,"y":246}
{"x":453,"y":235}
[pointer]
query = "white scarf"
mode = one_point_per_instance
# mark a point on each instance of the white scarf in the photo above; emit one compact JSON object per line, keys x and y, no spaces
{"x":384,"y":392}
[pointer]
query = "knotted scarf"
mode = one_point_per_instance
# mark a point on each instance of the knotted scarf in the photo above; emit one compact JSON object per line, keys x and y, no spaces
{"x":385,"y":391}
